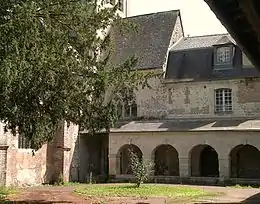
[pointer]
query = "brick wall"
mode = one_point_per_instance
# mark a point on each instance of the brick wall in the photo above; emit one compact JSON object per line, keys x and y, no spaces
{"x":196,"y":99}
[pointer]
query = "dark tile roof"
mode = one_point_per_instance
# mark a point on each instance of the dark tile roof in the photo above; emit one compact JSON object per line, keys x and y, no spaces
{"x":239,"y":19}
{"x":193,"y":58}
{"x":206,"y":41}
{"x":189,"y":125}
{"x":150,"y":43}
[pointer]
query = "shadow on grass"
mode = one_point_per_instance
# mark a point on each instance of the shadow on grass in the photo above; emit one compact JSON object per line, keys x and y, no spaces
{"x":255,"y":199}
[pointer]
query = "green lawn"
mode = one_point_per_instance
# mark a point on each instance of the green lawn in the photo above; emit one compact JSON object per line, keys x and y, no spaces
{"x":4,"y":191}
{"x":146,"y":190}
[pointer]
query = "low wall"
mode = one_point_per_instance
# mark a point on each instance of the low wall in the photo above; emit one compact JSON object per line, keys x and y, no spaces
{"x":27,"y":168}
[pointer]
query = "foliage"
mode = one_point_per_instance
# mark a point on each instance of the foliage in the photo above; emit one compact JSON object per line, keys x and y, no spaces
{"x":142,"y":169}
{"x":51,"y":69}
{"x":5,"y":191}
{"x":60,"y":180}
{"x":146,"y":190}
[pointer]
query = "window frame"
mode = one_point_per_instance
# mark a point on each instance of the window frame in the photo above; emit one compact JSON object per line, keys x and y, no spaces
{"x":123,"y":110}
{"x":228,"y":64}
{"x":226,"y":106}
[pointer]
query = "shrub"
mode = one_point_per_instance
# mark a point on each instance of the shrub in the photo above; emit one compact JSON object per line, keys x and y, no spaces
{"x":142,"y":169}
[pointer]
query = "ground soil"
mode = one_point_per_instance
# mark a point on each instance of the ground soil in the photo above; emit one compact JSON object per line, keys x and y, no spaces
{"x":48,"y":195}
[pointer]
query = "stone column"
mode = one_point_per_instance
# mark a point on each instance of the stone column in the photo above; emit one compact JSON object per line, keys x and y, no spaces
{"x":112,"y":164}
{"x":184,"y":167}
{"x":224,"y":168}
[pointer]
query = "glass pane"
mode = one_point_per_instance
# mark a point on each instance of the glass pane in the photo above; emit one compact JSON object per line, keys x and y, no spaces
{"x":223,"y":55}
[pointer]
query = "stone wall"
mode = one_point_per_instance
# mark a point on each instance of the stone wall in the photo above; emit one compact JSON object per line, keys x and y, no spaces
{"x":71,"y":154}
{"x":25,"y":168}
{"x":196,"y":99}
{"x":177,"y":34}
{"x":48,"y":164}
{"x":223,"y":142}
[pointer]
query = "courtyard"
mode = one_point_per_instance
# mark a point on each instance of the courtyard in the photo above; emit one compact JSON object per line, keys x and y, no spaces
{"x":129,"y":194}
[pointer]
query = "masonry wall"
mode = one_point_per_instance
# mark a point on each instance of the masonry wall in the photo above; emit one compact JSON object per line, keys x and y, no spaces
{"x":223,"y":142}
{"x":52,"y":161}
{"x":25,"y":168}
{"x":196,"y":99}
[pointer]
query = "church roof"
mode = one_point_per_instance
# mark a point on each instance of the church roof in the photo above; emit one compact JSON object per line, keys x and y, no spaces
{"x":151,"y":41}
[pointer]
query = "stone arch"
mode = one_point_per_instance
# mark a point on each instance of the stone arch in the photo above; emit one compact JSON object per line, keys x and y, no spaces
{"x":204,"y":161}
{"x":166,"y":161}
{"x":245,"y":162}
{"x":123,"y":158}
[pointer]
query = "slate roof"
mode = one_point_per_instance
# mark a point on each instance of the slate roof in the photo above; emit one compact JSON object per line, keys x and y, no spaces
{"x":192,"y":58}
{"x":150,"y":43}
{"x":189,"y":125}
{"x":206,"y":41}
{"x":241,"y":20}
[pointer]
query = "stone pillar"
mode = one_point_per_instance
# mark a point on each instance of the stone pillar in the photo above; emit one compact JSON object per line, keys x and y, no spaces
{"x":224,"y":168}
{"x":184,"y":167}
{"x":112,"y":164}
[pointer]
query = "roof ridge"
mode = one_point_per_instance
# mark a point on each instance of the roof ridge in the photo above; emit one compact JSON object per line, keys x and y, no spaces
{"x":153,"y":13}
{"x":211,"y":35}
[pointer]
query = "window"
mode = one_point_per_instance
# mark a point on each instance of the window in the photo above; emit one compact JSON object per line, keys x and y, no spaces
{"x":223,"y":101}
{"x":223,"y":55}
{"x":121,"y":5}
{"x":23,"y":142}
{"x":127,"y":110}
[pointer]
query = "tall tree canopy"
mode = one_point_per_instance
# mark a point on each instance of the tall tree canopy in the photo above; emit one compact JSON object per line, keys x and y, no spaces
{"x":51,"y":69}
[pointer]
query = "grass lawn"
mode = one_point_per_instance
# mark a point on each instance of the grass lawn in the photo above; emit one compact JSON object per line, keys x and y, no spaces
{"x":4,"y":191}
{"x":146,"y":190}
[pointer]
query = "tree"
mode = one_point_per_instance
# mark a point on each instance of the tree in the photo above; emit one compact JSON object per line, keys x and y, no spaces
{"x":51,"y":69}
{"x":142,"y":169}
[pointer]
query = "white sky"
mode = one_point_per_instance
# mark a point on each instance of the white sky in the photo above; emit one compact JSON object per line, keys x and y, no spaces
{"x":197,"y":18}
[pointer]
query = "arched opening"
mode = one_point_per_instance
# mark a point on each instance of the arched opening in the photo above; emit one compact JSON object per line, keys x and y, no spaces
{"x":204,"y":161}
{"x":245,"y":162}
{"x":123,"y":157}
{"x":166,"y":161}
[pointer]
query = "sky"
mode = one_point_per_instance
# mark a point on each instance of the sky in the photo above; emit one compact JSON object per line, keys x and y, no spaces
{"x":197,"y":18}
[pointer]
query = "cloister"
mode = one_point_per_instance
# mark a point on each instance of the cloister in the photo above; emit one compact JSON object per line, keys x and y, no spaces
{"x":213,"y":159}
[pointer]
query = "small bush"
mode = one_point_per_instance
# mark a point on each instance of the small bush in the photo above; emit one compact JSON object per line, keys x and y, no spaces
{"x":60,"y":180}
{"x":142,"y":169}
{"x":4,"y":191}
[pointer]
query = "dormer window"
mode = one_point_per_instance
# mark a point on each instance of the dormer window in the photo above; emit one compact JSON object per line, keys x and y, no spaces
{"x":224,"y":55}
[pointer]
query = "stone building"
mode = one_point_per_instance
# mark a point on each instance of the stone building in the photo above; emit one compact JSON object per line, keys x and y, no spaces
{"x":198,"y":123}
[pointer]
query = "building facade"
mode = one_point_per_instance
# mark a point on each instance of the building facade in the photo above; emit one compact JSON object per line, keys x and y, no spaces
{"x":200,"y":122}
